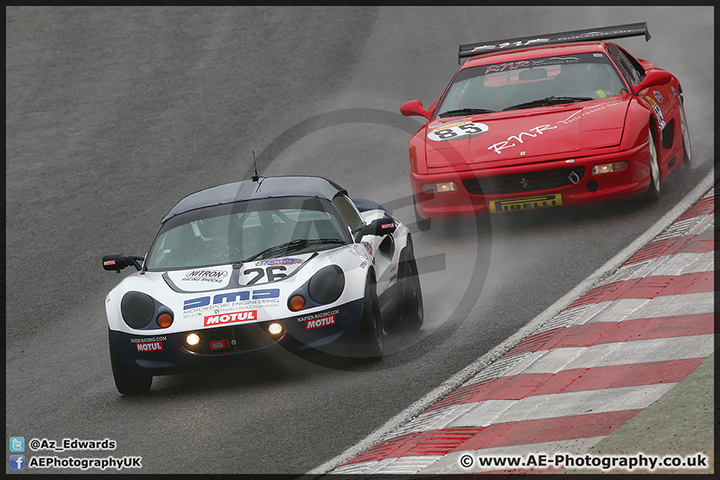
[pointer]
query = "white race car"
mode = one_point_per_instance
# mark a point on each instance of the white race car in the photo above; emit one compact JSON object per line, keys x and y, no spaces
{"x":276,"y":262}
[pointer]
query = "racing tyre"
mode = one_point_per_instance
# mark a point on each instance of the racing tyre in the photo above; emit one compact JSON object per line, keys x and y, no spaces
{"x":687,"y":148}
{"x":127,"y":383}
{"x":410,"y":316}
{"x":370,"y":338}
{"x":653,"y":193}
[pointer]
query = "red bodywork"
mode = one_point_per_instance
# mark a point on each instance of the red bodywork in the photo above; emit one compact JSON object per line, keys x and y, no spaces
{"x":548,"y":142}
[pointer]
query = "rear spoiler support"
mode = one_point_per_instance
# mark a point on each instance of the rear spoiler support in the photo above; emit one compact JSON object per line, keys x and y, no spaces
{"x":617,"y":31}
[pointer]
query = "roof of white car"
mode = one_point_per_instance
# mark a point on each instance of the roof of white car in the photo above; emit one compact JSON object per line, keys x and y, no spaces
{"x":260,"y":187}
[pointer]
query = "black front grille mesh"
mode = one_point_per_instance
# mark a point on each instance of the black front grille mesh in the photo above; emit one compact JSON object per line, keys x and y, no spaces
{"x":524,"y":182}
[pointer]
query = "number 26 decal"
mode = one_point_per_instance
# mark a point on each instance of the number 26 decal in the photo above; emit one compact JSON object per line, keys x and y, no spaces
{"x":273,"y":273}
{"x":455,"y":131}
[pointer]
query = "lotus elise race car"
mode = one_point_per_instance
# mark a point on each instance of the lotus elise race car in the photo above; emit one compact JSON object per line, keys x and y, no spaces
{"x":561,"y":119}
{"x":264,"y":263}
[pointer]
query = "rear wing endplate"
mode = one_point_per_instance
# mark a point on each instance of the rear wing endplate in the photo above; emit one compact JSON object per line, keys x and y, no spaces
{"x":617,"y":31}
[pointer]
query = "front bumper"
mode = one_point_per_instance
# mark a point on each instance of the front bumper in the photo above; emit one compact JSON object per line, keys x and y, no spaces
{"x":333,"y":330}
{"x":537,"y":185}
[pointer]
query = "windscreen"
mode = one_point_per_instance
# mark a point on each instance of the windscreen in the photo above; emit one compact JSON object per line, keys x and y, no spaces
{"x":247,"y":230}
{"x":506,"y":86}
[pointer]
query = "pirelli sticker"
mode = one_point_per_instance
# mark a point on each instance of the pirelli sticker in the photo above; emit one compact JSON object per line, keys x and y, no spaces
{"x":525,"y":203}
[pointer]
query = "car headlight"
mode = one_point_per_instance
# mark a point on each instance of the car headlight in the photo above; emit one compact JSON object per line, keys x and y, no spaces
{"x":137,"y":309}
{"x":327,"y":284}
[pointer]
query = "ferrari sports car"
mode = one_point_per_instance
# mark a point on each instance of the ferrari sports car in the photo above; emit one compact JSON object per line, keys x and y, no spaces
{"x":276,"y":262}
{"x":560,"y":119}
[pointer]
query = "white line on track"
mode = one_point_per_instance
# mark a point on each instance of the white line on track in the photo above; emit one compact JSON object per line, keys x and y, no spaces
{"x":478,"y":365}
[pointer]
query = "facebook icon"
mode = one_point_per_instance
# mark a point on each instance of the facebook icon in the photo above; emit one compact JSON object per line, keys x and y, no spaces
{"x":17,"y":462}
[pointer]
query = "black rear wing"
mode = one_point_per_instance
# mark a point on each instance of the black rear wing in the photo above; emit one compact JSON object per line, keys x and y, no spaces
{"x":617,"y":31}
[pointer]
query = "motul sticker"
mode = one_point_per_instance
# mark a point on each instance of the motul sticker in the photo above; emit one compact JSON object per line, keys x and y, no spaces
{"x":109,"y":262}
{"x":320,"y":322}
{"x":149,"y":346}
{"x":233,"y":317}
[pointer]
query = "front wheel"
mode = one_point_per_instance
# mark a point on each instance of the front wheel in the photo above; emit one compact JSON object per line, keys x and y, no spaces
{"x":687,"y":148}
{"x":410,"y":316}
{"x":370,"y":343}
{"x":126,"y":382}
{"x":653,"y":193}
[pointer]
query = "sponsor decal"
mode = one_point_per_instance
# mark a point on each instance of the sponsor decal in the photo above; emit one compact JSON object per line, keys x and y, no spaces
{"x":385,"y":226}
{"x":227,"y":297}
{"x":498,"y":147}
{"x":672,"y":89}
{"x":160,"y":338}
{"x":658,"y":112}
{"x":279,"y":261}
{"x":320,"y":322}
{"x":219,"y":344}
{"x":657,"y":95}
{"x":109,"y":262}
{"x":315,"y":316}
{"x":149,"y":346}
{"x":368,"y":247}
{"x":455,"y":130}
{"x":215,"y":276}
{"x":526,"y":203}
{"x":233,"y":317}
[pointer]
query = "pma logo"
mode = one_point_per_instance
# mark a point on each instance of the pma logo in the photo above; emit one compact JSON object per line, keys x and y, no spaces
{"x":17,"y":462}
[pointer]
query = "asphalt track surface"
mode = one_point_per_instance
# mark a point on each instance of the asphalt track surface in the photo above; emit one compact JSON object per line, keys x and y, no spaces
{"x":114,"y":113}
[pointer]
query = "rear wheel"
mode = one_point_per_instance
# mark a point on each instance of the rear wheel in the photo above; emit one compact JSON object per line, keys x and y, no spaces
{"x":653,"y":192}
{"x":410,"y":316}
{"x":126,"y":382}
{"x":370,"y":341}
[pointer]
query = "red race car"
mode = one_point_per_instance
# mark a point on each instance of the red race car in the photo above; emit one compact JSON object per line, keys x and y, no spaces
{"x":561,"y":119}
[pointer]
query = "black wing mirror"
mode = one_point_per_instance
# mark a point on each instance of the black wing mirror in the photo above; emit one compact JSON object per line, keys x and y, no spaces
{"x":118,"y":261}
{"x":378,"y":227}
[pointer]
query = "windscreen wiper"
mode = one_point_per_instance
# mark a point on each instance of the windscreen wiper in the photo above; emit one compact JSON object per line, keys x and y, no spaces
{"x":293,"y":245}
{"x":547,"y":101}
{"x":464,"y":111}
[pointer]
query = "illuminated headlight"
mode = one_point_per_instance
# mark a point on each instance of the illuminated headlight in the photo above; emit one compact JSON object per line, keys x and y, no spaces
{"x":440,"y":187}
{"x":192,"y":339}
{"x":610,"y":167}
{"x":275,"y":329}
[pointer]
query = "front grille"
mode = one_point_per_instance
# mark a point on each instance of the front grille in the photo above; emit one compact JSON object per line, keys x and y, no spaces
{"x":524,"y":182}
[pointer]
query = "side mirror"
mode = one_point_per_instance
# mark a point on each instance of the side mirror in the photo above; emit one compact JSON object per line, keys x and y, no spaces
{"x":654,"y":78}
{"x":378,"y":227}
{"x":414,"y":107}
{"x":118,"y":261}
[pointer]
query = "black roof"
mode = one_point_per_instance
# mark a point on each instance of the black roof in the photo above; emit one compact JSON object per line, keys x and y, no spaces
{"x":264,"y":187}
